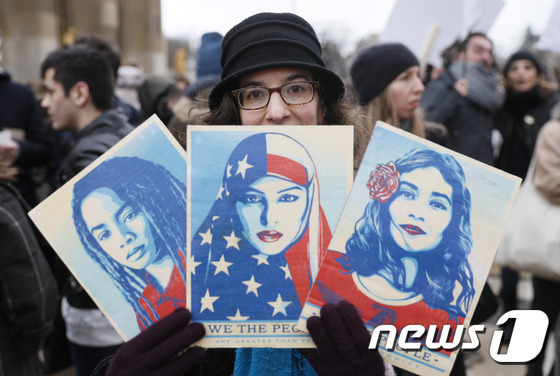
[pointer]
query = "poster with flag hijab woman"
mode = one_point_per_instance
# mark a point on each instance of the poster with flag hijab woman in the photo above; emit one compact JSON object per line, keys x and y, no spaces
{"x":261,"y":205}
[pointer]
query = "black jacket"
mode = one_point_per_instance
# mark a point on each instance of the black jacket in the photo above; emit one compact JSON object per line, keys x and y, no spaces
{"x":20,"y":110}
{"x":519,"y":121}
{"x":84,"y":147}
{"x":469,"y":125}
{"x":28,"y":294}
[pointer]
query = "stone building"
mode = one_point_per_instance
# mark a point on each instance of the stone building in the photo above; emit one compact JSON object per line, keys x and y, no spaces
{"x":31,"y":29}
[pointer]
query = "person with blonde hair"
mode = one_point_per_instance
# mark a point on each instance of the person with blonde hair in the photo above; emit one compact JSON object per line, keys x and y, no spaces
{"x":386,"y":80}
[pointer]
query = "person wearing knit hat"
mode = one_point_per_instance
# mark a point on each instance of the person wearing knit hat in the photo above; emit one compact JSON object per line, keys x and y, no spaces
{"x":386,"y":80}
{"x":529,"y":101}
{"x":273,"y":74}
{"x":523,"y":55}
{"x":208,"y":74}
{"x":208,"y":61}
{"x":375,"y":67}
{"x":208,"y":69}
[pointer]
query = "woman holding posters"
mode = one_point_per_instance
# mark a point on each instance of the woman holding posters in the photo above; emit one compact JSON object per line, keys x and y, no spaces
{"x":135,"y":231}
{"x":267,"y":213}
{"x":268,"y":57}
{"x":412,"y":244}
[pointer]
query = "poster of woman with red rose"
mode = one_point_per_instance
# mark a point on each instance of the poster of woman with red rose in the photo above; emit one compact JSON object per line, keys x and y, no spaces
{"x":414,"y":243}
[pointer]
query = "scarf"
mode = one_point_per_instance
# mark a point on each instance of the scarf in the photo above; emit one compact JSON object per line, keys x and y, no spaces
{"x":266,"y":361}
{"x":483,"y":84}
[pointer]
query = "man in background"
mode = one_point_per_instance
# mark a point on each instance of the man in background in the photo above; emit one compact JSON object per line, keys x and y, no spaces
{"x":113,"y":56}
{"x":79,"y":88}
{"x":465,"y":97}
{"x":24,"y":140}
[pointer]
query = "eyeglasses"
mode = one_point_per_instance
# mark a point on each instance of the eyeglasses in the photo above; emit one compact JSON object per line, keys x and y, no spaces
{"x":294,"y":94}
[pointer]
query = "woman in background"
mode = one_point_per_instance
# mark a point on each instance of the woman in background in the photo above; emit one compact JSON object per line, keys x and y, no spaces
{"x":529,"y":100}
{"x":386,"y":79}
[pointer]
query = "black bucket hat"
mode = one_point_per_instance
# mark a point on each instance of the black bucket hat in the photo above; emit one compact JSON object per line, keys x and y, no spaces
{"x":270,"y":40}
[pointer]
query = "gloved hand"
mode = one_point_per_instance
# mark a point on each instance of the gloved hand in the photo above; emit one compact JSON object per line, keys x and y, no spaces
{"x":342,"y":343}
{"x":161,"y":350}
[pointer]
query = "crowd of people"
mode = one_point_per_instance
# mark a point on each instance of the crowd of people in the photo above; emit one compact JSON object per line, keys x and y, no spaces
{"x":91,"y":100}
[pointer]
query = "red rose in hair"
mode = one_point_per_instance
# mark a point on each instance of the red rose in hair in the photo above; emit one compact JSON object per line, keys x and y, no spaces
{"x":383,"y":182}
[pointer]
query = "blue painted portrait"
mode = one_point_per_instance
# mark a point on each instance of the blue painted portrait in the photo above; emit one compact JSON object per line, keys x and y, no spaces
{"x":416,"y":232}
{"x":258,"y":250}
{"x":407,"y":259}
{"x":133,"y":226}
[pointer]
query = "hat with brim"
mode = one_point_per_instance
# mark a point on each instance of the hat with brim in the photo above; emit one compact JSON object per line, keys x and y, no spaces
{"x":272,"y":40}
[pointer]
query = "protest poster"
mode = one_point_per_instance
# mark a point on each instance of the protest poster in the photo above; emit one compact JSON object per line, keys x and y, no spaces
{"x":415,"y":243}
{"x":261,"y":205}
{"x":120,"y":228}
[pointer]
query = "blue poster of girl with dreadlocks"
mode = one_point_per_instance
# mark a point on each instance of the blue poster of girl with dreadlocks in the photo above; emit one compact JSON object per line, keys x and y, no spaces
{"x":133,"y":226}
{"x":121,"y":228}
{"x":416,"y":239}
{"x":265,"y":230}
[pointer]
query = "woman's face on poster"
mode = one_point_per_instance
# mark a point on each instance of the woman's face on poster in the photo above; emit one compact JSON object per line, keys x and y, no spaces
{"x":120,"y":229}
{"x":272,"y":212}
{"x":421,"y":210}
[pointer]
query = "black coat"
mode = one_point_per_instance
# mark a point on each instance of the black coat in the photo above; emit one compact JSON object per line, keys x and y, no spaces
{"x":28,"y":297}
{"x":20,"y":110}
{"x":84,"y":147}
{"x":469,"y":126}
{"x":519,"y":121}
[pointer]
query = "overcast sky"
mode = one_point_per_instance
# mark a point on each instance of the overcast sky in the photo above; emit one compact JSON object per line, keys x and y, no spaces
{"x":344,"y":20}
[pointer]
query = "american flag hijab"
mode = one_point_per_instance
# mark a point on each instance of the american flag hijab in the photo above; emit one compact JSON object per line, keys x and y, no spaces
{"x":232,"y":279}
